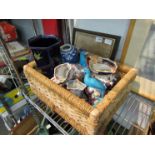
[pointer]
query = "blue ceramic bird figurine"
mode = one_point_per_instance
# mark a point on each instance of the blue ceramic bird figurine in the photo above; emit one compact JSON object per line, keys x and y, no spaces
{"x":93,"y":82}
{"x":83,"y":58}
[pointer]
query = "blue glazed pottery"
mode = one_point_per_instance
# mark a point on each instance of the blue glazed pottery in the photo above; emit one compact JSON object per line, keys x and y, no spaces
{"x":93,"y":82}
{"x":69,"y":53}
{"x":83,"y":58}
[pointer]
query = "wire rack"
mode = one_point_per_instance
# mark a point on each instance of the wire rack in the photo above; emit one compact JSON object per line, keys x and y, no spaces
{"x":17,"y":79}
{"x":58,"y":122}
{"x":134,"y":112}
{"x":8,"y":69}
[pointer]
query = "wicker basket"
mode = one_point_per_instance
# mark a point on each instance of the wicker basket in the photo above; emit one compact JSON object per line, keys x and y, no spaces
{"x":82,"y":116}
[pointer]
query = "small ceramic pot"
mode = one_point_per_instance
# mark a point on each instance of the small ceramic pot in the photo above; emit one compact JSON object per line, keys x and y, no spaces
{"x":69,"y":53}
{"x":76,"y":87}
{"x":76,"y":72}
{"x":61,"y":73}
{"x":103,"y":66}
{"x":93,"y":95}
{"x":109,"y":79}
{"x":92,"y":92}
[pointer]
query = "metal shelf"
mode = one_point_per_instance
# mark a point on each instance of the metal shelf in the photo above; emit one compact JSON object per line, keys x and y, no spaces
{"x":64,"y":127}
{"x":11,"y":70}
{"x":134,"y":112}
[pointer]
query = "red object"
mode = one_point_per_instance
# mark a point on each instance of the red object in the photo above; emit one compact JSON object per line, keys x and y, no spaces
{"x":8,"y":31}
{"x":52,"y":26}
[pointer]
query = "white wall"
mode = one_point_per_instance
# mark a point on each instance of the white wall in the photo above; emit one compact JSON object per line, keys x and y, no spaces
{"x":111,"y":26}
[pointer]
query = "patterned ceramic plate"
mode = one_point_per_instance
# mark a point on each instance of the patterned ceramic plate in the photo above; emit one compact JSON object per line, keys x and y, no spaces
{"x":104,"y":66}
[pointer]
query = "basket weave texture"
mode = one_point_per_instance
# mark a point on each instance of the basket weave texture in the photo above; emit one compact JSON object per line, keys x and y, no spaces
{"x":82,"y":116}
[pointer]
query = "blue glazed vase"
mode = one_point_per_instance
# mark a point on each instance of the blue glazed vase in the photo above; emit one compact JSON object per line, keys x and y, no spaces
{"x":69,"y":54}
